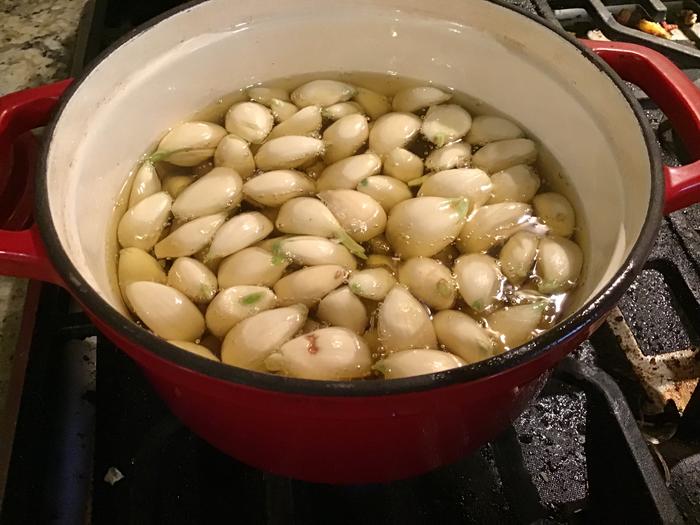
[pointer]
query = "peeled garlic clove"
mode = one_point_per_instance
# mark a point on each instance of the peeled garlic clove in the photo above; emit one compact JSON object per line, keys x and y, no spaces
{"x":308,"y":250}
{"x":430,"y":281}
{"x":274,"y":188}
{"x":189,"y":238}
{"x":403,"y":322}
{"x":516,"y":325}
{"x":448,"y":157}
{"x":305,"y":122}
{"x":307,"y":216}
{"x":413,"y":99}
{"x":282,"y":110}
{"x":487,"y":128}
{"x":325,"y":354}
{"x":265,"y":95}
{"x":219,"y":190}
{"x":190,"y":143}
{"x":382,"y":261}
{"x":497,"y":156}
{"x":309,"y":285}
{"x":374,"y":104}
{"x":555,"y":211}
{"x":342,"y":109}
{"x":141,"y":225}
{"x":287,"y":152}
{"x":193,"y":279}
{"x":251,"y":266}
{"x":322,"y":93}
{"x":167,"y":312}
{"x":463,"y":336}
{"x":416,"y":363}
{"x":473,"y":184}
{"x":343,"y":308}
{"x":347,"y":173}
{"x":393,"y":130}
{"x":194,"y":348}
{"x":233,"y":152}
{"x":344,"y":137}
{"x":358,"y":214}
{"x":387,"y":191}
{"x":236,"y":303}
{"x":239,"y":232}
{"x":176,"y":184}
{"x":403,"y":165}
{"x":518,"y":255}
{"x":492,"y":223}
{"x":252,"y":340}
{"x":372,"y":283}
{"x":425,"y":225}
{"x":146,"y":182}
{"x":445,"y":123}
{"x":250,"y":121}
{"x":515,"y":184}
{"x":559,"y":262}
{"x":479,"y":280}
{"x":137,"y":265}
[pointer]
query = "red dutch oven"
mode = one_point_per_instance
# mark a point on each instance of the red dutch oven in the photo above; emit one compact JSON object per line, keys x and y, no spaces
{"x":566,"y":93}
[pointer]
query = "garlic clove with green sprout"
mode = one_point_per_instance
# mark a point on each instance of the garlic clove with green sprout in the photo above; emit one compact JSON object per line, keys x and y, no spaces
{"x":445,"y":123}
{"x":232,"y":305}
{"x":193,"y":279}
{"x":430,"y":281}
{"x":479,"y":280}
{"x":371,"y":283}
{"x":347,"y":173}
{"x":251,"y":266}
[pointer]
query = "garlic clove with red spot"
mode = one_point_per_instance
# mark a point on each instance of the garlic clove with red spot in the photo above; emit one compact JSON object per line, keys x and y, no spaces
{"x":416,"y":363}
{"x":167,"y":312}
{"x":232,"y":305}
{"x":463,"y":336}
{"x":326,"y":354}
{"x":404,"y":323}
{"x":252,"y":340}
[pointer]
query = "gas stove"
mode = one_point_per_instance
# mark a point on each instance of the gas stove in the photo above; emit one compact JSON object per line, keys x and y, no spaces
{"x":613,"y":437}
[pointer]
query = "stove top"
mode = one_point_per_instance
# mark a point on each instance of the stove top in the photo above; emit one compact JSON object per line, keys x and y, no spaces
{"x":613,"y":437}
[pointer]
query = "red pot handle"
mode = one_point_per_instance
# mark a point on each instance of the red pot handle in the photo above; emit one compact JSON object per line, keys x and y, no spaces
{"x":22,"y":253}
{"x":677,"y":97}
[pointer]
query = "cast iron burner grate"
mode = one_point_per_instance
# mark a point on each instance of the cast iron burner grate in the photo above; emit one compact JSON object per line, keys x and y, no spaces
{"x":576,"y":456}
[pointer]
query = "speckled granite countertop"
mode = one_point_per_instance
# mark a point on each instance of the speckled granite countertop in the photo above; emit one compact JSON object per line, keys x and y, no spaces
{"x":37,"y":40}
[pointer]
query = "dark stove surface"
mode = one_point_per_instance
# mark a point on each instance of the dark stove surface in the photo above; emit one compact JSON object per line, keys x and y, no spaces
{"x":94,"y":444}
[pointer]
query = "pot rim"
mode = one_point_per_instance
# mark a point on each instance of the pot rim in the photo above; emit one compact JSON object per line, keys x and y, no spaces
{"x":582,"y":318}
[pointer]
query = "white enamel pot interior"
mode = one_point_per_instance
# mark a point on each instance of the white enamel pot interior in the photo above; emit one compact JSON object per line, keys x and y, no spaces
{"x":169,"y":70}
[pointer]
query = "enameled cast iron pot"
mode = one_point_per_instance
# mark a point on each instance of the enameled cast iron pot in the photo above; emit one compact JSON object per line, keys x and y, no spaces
{"x":345,"y":432}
